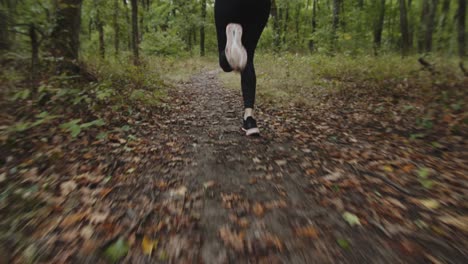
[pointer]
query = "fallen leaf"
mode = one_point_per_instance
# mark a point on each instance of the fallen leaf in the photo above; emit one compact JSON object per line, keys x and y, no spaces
{"x":308,"y":231}
{"x":98,"y":217}
{"x":104,"y":192}
{"x":232,"y":239}
{"x":67,"y":187}
{"x":408,"y":168}
{"x":88,"y":155}
{"x":243,"y":222}
{"x":333,"y":176}
{"x":258,"y":209}
{"x":352,"y":219}
{"x":256,"y":160}
{"x":430,"y":203}
{"x":388,"y":168}
{"x":87,"y":232}
{"x":117,"y":250}
{"x":179,"y":192}
{"x":162,"y":185}
{"x":343,"y":243}
{"x":460,"y":222}
{"x":281,"y":162}
{"x":148,"y":245}
{"x":311,"y":172}
{"x":73,"y":218}
{"x":2,"y":177}
{"x":208,"y":184}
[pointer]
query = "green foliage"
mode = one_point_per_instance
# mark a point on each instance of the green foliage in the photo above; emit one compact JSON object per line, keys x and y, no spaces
{"x":163,"y":43}
{"x":117,"y":250}
{"x":75,"y":128}
{"x":24,"y":125}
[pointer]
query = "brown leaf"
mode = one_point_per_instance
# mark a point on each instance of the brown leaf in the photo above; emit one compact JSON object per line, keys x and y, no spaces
{"x":243,"y":222}
{"x":232,"y":239}
{"x":307,"y":231}
{"x":460,"y":222}
{"x":104,"y":192}
{"x":67,"y":187}
{"x":73,"y":218}
{"x":98,"y":217}
{"x":258,"y":209}
{"x":209,"y":184}
{"x":281,"y":162}
{"x":87,"y":232}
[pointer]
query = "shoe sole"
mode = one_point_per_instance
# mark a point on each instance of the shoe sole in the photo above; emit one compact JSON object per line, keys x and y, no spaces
{"x":236,"y":54}
{"x":251,"y":132}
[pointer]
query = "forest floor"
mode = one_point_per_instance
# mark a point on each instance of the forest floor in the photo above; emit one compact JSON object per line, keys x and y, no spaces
{"x":182,"y":184}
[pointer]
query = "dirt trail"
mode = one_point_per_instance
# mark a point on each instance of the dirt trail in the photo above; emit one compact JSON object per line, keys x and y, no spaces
{"x":259,"y":201}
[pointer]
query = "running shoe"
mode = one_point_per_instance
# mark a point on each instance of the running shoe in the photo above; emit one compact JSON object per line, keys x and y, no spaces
{"x":236,"y":54}
{"x":250,"y":127}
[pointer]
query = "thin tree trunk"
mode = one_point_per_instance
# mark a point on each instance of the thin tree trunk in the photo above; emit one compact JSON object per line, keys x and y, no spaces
{"x":100,"y":28}
{"x":378,"y":28}
{"x":430,"y":25}
{"x":361,"y":4}
{"x":285,"y":23}
{"x":423,"y":26}
{"x":405,"y":38}
{"x":314,"y":25}
{"x":34,"y":53}
{"x":116,"y":27}
{"x":461,"y":28}
{"x":4,"y":34}
{"x":135,"y":38}
{"x":443,"y":39}
{"x":276,"y":26}
{"x":336,"y":22}
{"x":202,"y":28}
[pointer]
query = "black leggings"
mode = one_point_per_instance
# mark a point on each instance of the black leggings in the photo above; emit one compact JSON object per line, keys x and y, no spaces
{"x":252,"y":15}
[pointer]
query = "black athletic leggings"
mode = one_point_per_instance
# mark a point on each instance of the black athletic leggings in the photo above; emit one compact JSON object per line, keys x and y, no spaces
{"x":253,"y":16}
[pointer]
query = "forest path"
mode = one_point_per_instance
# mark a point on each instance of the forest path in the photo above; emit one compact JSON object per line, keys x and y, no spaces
{"x":273,"y":198}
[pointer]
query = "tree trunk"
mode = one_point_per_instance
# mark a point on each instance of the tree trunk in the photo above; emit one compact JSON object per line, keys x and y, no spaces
{"x":66,"y":33}
{"x":202,"y":28}
{"x":4,"y":34}
{"x":100,"y":28}
{"x":443,"y":38}
{"x":430,"y":25}
{"x":461,"y":28}
{"x":379,"y":24}
{"x":336,"y":22}
{"x":361,"y":4}
{"x":135,"y":38}
{"x":285,"y":23}
{"x":405,"y":38}
{"x":423,"y":26}
{"x":314,"y":25}
{"x":116,"y":27}
{"x":34,"y":53}
{"x":276,"y":26}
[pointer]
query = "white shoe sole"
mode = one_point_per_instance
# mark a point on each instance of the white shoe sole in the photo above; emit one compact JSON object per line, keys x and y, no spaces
{"x":236,"y":54}
{"x":251,"y":132}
